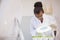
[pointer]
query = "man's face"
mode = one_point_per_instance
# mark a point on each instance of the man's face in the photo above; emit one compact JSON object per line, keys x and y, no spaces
{"x":39,"y":15}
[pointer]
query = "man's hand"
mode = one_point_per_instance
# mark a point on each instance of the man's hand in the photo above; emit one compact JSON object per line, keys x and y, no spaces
{"x":54,"y":27}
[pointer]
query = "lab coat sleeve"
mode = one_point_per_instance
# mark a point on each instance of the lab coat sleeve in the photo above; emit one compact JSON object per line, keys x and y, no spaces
{"x":32,"y":29}
{"x":53,"y":22}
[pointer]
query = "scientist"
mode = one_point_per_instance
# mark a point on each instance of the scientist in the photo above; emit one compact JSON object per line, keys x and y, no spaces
{"x":39,"y":20}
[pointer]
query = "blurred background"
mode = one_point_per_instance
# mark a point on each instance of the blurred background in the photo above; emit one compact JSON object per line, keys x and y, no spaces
{"x":10,"y":9}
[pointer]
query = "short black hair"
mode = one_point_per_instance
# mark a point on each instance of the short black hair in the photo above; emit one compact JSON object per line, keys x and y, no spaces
{"x":38,"y":7}
{"x":38,"y":4}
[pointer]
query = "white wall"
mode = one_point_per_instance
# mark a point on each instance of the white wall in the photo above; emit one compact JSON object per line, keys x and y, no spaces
{"x":9,"y":10}
{"x":56,"y":12}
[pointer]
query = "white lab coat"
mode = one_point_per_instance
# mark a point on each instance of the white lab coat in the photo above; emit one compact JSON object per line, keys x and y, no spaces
{"x":47,"y":20}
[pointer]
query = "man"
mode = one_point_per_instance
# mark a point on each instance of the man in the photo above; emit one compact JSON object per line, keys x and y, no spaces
{"x":40,"y":18}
